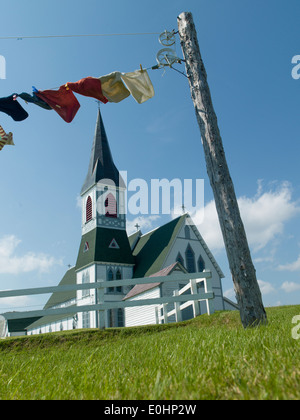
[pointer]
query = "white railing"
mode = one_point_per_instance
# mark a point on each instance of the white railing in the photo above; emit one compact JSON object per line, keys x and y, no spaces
{"x":102,"y":285}
{"x":161,"y":311}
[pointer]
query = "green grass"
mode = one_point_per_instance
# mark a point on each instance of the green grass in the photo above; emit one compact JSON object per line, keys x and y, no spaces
{"x":205,"y":358}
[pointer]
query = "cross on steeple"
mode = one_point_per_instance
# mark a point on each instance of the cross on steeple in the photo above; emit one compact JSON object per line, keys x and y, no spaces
{"x":137,"y":226}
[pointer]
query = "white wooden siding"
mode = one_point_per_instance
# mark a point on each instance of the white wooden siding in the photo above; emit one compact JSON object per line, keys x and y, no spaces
{"x":142,"y":315}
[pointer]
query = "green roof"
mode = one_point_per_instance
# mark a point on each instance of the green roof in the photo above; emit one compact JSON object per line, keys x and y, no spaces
{"x":133,"y":239}
{"x":60,"y":297}
{"x":99,"y":250}
{"x":153,"y":248}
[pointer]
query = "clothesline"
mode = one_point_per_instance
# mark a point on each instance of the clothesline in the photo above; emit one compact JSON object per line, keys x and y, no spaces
{"x":78,"y":36}
{"x":113,"y":87}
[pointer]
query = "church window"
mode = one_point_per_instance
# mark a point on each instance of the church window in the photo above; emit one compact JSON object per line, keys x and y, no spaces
{"x":86,"y":247}
{"x":180,"y":259}
{"x":111,"y":318}
{"x":111,"y":206}
{"x":190,"y":259}
{"x":110,"y":277}
{"x":120,"y":317}
{"x":201,"y":264}
{"x":89,"y":210}
{"x":85,"y":320}
{"x":187,"y":232}
{"x":85,"y":280}
{"x":119,"y":277}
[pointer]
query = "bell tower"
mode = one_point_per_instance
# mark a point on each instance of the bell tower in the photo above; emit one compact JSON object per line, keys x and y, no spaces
{"x":104,"y":252}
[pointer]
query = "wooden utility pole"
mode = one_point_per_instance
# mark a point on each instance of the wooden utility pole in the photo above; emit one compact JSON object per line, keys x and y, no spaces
{"x":242,"y":269}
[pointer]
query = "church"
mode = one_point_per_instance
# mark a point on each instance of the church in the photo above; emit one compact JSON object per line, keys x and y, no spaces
{"x":107,"y":253}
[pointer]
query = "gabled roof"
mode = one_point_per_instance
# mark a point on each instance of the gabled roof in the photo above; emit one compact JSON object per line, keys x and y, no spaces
{"x":99,"y":250}
{"x":152,"y":248}
{"x":59,"y":297}
{"x":101,"y":164}
{"x":141,"y":288}
{"x":133,"y":239}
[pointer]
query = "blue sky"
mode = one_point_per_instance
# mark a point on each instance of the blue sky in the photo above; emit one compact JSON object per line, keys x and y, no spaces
{"x":247,"y":48}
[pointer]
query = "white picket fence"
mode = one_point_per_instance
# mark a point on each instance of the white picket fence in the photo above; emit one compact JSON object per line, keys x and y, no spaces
{"x":101,"y":306}
{"x":161,"y":311}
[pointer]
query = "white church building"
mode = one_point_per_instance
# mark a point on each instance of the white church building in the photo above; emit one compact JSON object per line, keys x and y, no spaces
{"x":107,"y":253}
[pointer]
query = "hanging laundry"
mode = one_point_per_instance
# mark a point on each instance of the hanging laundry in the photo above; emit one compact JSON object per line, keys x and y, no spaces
{"x":63,"y":101}
{"x":3,"y":142}
{"x":11,"y":107}
{"x":5,"y":139}
{"x":113,"y":87}
{"x":117,"y":86}
{"x":88,"y":86}
{"x":139,"y":85}
{"x":34,"y":99}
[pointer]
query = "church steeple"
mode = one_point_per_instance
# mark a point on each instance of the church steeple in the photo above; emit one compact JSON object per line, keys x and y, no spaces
{"x":103,"y":191}
{"x":101,"y":164}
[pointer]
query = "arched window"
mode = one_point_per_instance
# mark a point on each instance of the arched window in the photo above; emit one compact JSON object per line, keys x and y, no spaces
{"x":89,"y":209}
{"x":110,"y":277}
{"x":119,"y":277}
{"x":187,"y":232}
{"x":201,"y":264}
{"x":111,"y":206}
{"x":190,"y":259}
{"x":180,"y":259}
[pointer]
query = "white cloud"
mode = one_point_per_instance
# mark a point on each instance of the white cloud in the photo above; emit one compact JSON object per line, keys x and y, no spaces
{"x":263,"y":215}
{"x":145,"y":223}
{"x":20,"y":302}
{"x":295,"y":266}
{"x":230,"y":294}
{"x":10,"y":263}
{"x":265,"y":287}
{"x":290,"y":286}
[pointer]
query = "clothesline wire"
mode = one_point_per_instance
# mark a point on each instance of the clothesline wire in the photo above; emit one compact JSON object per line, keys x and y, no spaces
{"x":78,"y":36}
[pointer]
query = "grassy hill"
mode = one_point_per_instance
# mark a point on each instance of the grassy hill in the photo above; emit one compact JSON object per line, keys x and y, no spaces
{"x":205,"y":358}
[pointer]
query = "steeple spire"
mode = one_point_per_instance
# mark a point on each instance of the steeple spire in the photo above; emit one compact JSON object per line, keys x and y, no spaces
{"x":101,"y":162}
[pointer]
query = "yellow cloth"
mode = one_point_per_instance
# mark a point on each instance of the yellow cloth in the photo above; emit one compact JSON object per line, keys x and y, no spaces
{"x":118,"y":86}
{"x":113,"y":88}
{"x":139,"y":85}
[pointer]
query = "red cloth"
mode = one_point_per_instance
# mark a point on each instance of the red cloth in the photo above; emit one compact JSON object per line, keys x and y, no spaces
{"x":89,"y":86}
{"x":63,"y":101}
